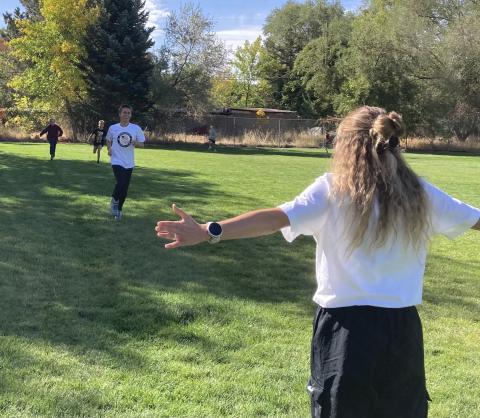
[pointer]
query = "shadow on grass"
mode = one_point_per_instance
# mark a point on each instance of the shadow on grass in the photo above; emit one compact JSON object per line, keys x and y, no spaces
{"x":71,"y":276}
{"x":242,"y":150}
{"x":459,"y":153}
{"x":449,"y":287}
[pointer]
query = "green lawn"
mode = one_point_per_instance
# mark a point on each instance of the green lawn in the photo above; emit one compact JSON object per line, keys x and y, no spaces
{"x":98,"y":320}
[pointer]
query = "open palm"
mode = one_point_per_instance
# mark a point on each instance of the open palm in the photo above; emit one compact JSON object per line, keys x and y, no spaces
{"x":186,"y":231}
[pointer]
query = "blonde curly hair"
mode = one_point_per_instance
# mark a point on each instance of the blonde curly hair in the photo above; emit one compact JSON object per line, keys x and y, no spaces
{"x":368,"y":167}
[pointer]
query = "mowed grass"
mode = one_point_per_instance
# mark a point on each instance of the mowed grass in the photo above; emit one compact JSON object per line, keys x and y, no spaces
{"x":98,"y":320}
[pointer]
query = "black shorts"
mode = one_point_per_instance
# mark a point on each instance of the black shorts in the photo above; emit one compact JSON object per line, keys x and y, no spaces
{"x":367,"y":362}
{"x":99,"y":144}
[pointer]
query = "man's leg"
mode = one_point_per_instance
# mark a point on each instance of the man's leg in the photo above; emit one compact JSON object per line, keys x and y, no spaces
{"x":53,"y":147}
{"x":118,"y":173}
{"x":127,"y":175}
{"x":122,"y":176}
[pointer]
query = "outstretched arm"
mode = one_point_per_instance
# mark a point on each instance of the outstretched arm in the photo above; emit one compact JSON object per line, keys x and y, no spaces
{"x":187,"y":231}
{"x":91,"y":135}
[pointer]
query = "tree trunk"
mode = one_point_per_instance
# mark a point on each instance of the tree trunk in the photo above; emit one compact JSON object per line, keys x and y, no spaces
{"x":73,"y":122}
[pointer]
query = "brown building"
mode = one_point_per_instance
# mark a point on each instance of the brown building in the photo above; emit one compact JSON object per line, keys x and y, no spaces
{"x":251,"y":112}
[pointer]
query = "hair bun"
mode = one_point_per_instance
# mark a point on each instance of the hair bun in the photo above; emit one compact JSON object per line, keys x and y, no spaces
{"x":397,"y":122}
{"x":385,"y":126}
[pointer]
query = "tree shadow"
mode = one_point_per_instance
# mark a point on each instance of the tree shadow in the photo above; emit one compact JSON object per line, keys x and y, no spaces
{"x":244,"y":150}
{"x":71,"y":276}
{"x":449,"y":287}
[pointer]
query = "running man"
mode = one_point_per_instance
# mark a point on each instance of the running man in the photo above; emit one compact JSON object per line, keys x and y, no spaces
{"x":372,"y":219}
{"x":53,"y":132}
{"x":122,"y":138}
{"x":98,"y":135}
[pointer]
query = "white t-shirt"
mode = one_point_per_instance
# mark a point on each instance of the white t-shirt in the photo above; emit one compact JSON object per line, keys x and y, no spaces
{"x":121,"y":138}
{"x":390,"y":276}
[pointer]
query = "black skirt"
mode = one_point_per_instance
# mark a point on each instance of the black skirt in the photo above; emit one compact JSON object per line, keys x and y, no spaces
{"x":367,"y":362}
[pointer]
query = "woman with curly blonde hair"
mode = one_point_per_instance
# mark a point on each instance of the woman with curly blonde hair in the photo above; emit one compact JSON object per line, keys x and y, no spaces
{"x":372,"y":218}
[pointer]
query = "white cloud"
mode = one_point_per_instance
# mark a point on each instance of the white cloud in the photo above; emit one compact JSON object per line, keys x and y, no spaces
{"x":234,"y":38}
{"x":157,"y":14}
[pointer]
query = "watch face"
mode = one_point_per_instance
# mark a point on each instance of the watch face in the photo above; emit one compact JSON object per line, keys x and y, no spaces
{"x":215,"y":229}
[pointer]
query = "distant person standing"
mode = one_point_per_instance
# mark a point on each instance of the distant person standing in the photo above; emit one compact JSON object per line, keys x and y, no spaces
{"x":212,"y":138}
{"x":328,"y":141}
{"x":122,"y":138}
{"x":53,"y":132}
{"x":98,"y":135}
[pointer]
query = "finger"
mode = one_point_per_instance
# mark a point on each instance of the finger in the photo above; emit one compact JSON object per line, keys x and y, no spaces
{"x":173,"y":245}
{"x":180,"y":212}
{"x":166,"y":235}
{"x":167,"y":226}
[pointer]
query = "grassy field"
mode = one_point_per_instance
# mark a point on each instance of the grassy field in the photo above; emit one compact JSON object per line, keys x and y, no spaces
{"x":98,"y":320}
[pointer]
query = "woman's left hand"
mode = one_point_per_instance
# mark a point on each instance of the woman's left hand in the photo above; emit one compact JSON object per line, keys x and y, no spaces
{"x":183,"y":233}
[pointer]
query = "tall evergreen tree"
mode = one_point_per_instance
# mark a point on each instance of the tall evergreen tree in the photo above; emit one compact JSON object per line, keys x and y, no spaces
{"x":31,"y":12}
{"x":118,"y":65}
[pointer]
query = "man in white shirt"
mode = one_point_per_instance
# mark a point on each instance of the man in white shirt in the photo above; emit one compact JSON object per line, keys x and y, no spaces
{"x":122,"y":138}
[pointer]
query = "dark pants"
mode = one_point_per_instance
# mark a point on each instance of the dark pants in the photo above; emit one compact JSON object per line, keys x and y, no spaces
{"x":367,"y":362}
{"x":53,"y":147}
{"x":122,"y":176}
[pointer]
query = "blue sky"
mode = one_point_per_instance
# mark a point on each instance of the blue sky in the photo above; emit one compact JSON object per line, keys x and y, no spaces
{"x":235,"y":20}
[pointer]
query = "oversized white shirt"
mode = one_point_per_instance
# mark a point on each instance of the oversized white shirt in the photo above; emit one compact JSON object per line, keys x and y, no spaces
{"x":119,"y":136}
{"x":390,"y":276}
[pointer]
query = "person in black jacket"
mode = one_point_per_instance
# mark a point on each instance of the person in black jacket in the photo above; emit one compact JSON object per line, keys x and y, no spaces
{"x":53,"y":132}
{"x":98,"y":135}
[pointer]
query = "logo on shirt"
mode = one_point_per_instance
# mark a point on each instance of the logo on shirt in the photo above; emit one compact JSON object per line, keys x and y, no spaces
{"x":124,"y":139}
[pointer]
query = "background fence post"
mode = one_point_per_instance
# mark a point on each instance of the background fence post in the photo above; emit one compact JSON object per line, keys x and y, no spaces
{"x":234,"y":132}
{"x":279,"y":132}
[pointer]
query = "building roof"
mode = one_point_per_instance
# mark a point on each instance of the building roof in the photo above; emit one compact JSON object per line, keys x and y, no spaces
{"x":256,"y":109}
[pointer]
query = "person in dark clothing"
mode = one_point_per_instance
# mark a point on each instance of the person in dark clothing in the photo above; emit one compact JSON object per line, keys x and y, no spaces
{"x":53,"y":132}
{"x":98,"y":135}
{"x":329,"y":138}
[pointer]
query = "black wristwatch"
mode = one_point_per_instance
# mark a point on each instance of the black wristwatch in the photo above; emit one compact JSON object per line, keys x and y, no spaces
{"x":214,"y":229}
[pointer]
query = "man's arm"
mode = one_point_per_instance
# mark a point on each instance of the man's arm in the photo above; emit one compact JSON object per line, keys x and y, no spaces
{"x":91,"y":135}
{"x":44,"y":131}
{"x":108,"y":138}
{"x":140,"y":135}
{"x":60,"y":131}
